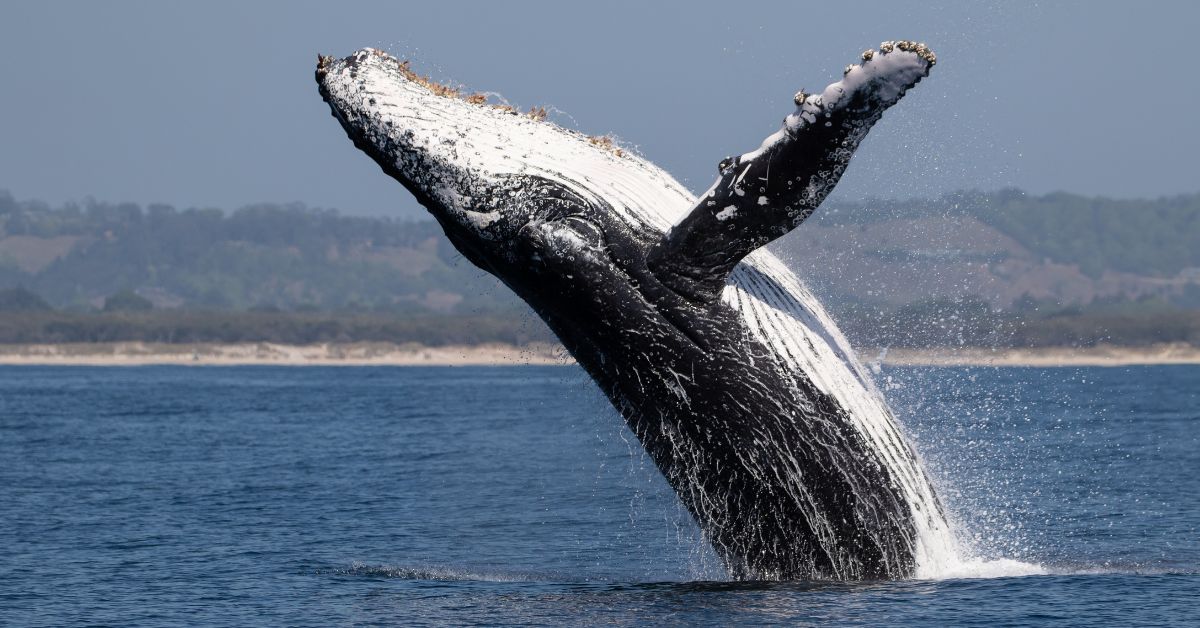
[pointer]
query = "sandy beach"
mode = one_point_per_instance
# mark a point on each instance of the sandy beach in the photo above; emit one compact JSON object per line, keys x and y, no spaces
{"x":328,"y":354}
{"x":1100,"y":355}
{"x":389,"y":354}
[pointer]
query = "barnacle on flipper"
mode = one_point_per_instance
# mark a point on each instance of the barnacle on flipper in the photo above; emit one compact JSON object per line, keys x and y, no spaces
{"x":323,"y":62}
{"x":918,"y":48}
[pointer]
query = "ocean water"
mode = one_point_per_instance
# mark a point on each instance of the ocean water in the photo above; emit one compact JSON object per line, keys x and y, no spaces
{"x":514,"y":495}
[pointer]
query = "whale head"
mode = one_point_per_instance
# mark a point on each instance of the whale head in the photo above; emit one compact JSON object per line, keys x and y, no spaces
{"x":490,"y":174}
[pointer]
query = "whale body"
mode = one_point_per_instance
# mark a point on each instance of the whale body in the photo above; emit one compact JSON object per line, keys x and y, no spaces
{"x":723,"y":364}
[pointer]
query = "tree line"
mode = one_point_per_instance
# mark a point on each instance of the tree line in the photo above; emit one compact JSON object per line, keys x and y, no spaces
{"x":285,"y":256}
{"x":291,"y":274}
{"x":967,"y":322}
{"x":1154,"y":237}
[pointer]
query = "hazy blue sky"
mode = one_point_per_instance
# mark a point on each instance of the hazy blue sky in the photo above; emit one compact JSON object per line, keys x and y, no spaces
{"x":214,"y":104}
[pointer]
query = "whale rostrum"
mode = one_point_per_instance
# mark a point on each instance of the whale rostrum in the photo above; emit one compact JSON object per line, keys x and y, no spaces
{"x":731,"y":374}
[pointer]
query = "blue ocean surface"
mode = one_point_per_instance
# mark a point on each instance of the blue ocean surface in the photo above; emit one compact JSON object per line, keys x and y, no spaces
{"x":515,"y":495}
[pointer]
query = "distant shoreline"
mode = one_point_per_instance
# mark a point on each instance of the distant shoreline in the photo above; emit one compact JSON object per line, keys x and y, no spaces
{"x":391,"y":354}
{"x":1099,"y":355}
{"x":265,"y":353}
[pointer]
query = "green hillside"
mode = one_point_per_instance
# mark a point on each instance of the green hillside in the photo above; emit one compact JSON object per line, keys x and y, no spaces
{"x":1153,"y":237}
{"x":969,"y":268}
{"x":1158,"y":237}
{"x":265,"y":256}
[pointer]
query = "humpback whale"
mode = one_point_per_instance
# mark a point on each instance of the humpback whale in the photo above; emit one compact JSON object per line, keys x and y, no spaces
{"x":723,"y":364}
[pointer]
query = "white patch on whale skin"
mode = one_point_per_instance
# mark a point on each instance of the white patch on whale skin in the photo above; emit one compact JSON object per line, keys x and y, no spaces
{"x":727,"y":213}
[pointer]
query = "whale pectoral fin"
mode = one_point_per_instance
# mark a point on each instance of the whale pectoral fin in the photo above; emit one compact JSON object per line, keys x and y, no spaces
{"x":763,"y":194}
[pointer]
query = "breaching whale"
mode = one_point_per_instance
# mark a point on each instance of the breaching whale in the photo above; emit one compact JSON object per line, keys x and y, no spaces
{"x":731,"y":374}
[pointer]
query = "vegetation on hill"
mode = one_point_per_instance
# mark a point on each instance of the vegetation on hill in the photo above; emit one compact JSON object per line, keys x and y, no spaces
{"x":1153,"y":237}
{"x":971,"y":322}
{"x":286,"y":273}
{"x":299,"y":328}
{"x":19,"y":299}
{"x":1157,"y":237}
{"x":965,"y":322}
{"x":284,"y":256}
